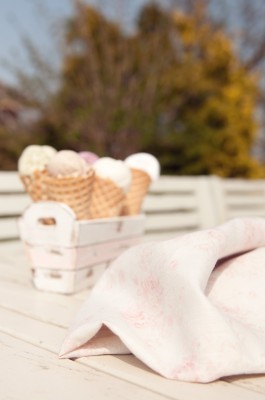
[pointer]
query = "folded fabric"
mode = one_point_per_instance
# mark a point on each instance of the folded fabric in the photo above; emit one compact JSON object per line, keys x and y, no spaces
{"x":192,"y":308}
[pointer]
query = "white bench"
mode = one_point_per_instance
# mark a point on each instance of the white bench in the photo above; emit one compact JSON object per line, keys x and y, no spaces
{"x":237,"y":198}
{"x":176,"y":205}
{"x":173,"y":206}
{"x":13,"y":201}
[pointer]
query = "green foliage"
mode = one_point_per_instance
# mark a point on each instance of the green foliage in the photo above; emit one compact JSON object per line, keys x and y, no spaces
{"x":209,"y":104}
{"x":175,"y":87}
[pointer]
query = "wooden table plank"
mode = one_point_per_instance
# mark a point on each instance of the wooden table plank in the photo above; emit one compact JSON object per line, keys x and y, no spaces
{"x":255,"y":383}
{"x":127,"y":368}
{"x":39,"y":320}
{"x":29,"y":372}
{"x":46,"y":307}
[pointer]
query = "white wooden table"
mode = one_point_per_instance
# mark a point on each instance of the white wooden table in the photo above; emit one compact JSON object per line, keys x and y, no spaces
{"x":32,"y":327}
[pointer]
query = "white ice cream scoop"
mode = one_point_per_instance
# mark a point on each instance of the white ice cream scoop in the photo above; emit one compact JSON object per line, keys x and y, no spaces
{"x":145,"y":162}
{"x":35,"y":158}
{"x":67,"y":163}
{"x":115,"y":170}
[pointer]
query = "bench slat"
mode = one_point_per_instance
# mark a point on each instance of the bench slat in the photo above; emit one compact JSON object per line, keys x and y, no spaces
{"x":156,"y":203}
{"x":167,"y":222}
{"x":175,"y":184}
{"x":242,"y":185}
{"x":12,"y":204}
{"x":8,"y":228}
{"x":238,"y":198}
{"x":244,"y":213}
{"x":247,"y":201}
{"x":10,"y":183}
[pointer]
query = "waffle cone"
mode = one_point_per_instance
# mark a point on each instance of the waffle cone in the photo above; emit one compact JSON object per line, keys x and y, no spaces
{"x":107,"y":199}
{"x":139,"y":187}
{"x":76,"y":192}
{"x":35,"y":185}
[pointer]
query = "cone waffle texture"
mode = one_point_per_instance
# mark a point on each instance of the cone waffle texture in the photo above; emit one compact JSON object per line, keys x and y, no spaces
{"x":139,"y":187}
{"x":35,"y":185}
{"x":76,"y":192}
{"x":107,"y":199}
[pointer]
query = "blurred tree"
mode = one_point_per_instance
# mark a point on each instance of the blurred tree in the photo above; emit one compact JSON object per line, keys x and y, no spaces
{"x":16,"y":116}
{"x":243,"y":21}
{"x":12,"y":142}
{"x":209,"y":124}
{"x":249,"y":37}
{"x":175,"y":88}
{"x":104,"y":102}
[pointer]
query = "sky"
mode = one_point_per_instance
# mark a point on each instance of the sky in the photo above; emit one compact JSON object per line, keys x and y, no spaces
{"x":29,"y":17}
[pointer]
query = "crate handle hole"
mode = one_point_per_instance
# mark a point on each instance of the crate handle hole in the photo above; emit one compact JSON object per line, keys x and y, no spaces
{"x":47,"y":221}
{"x":55,"y":275}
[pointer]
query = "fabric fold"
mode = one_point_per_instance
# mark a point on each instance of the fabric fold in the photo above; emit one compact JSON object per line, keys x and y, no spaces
{"x":192,"y":308}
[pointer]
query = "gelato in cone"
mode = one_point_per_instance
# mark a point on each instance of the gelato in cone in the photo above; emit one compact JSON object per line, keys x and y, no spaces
{"x":139,"y":187}
{"x":145,"y":169}
{"x":70,"y":180}
{"x":112,"y":181}
{"x":74,"y":191}
{"x":35,"y":185}
{"x":32,"y":170}
{"x":107,"y":199}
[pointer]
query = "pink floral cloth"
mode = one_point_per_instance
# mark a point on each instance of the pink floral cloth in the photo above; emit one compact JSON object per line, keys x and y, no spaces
{"x":192,"y":308}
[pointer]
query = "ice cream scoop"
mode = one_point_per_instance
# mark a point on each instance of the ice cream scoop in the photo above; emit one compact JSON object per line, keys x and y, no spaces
{"x":34,"y":158}
{"x":89,"y":157}
{"x":145,"y":162}
{"x":145,"y":168}
{"x":67,"y":163}
{"x":115,"y":170}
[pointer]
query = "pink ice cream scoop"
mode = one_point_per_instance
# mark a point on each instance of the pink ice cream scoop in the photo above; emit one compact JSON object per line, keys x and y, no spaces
{"x":67,"y":163}
{"x":89,"y":157}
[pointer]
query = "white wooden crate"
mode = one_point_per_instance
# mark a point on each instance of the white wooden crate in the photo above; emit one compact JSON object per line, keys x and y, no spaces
{"x":70,"y":255}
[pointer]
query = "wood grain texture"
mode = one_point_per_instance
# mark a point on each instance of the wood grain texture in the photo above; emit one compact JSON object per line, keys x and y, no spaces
{"x":33,"y":373}
{"x":32,"y":327}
